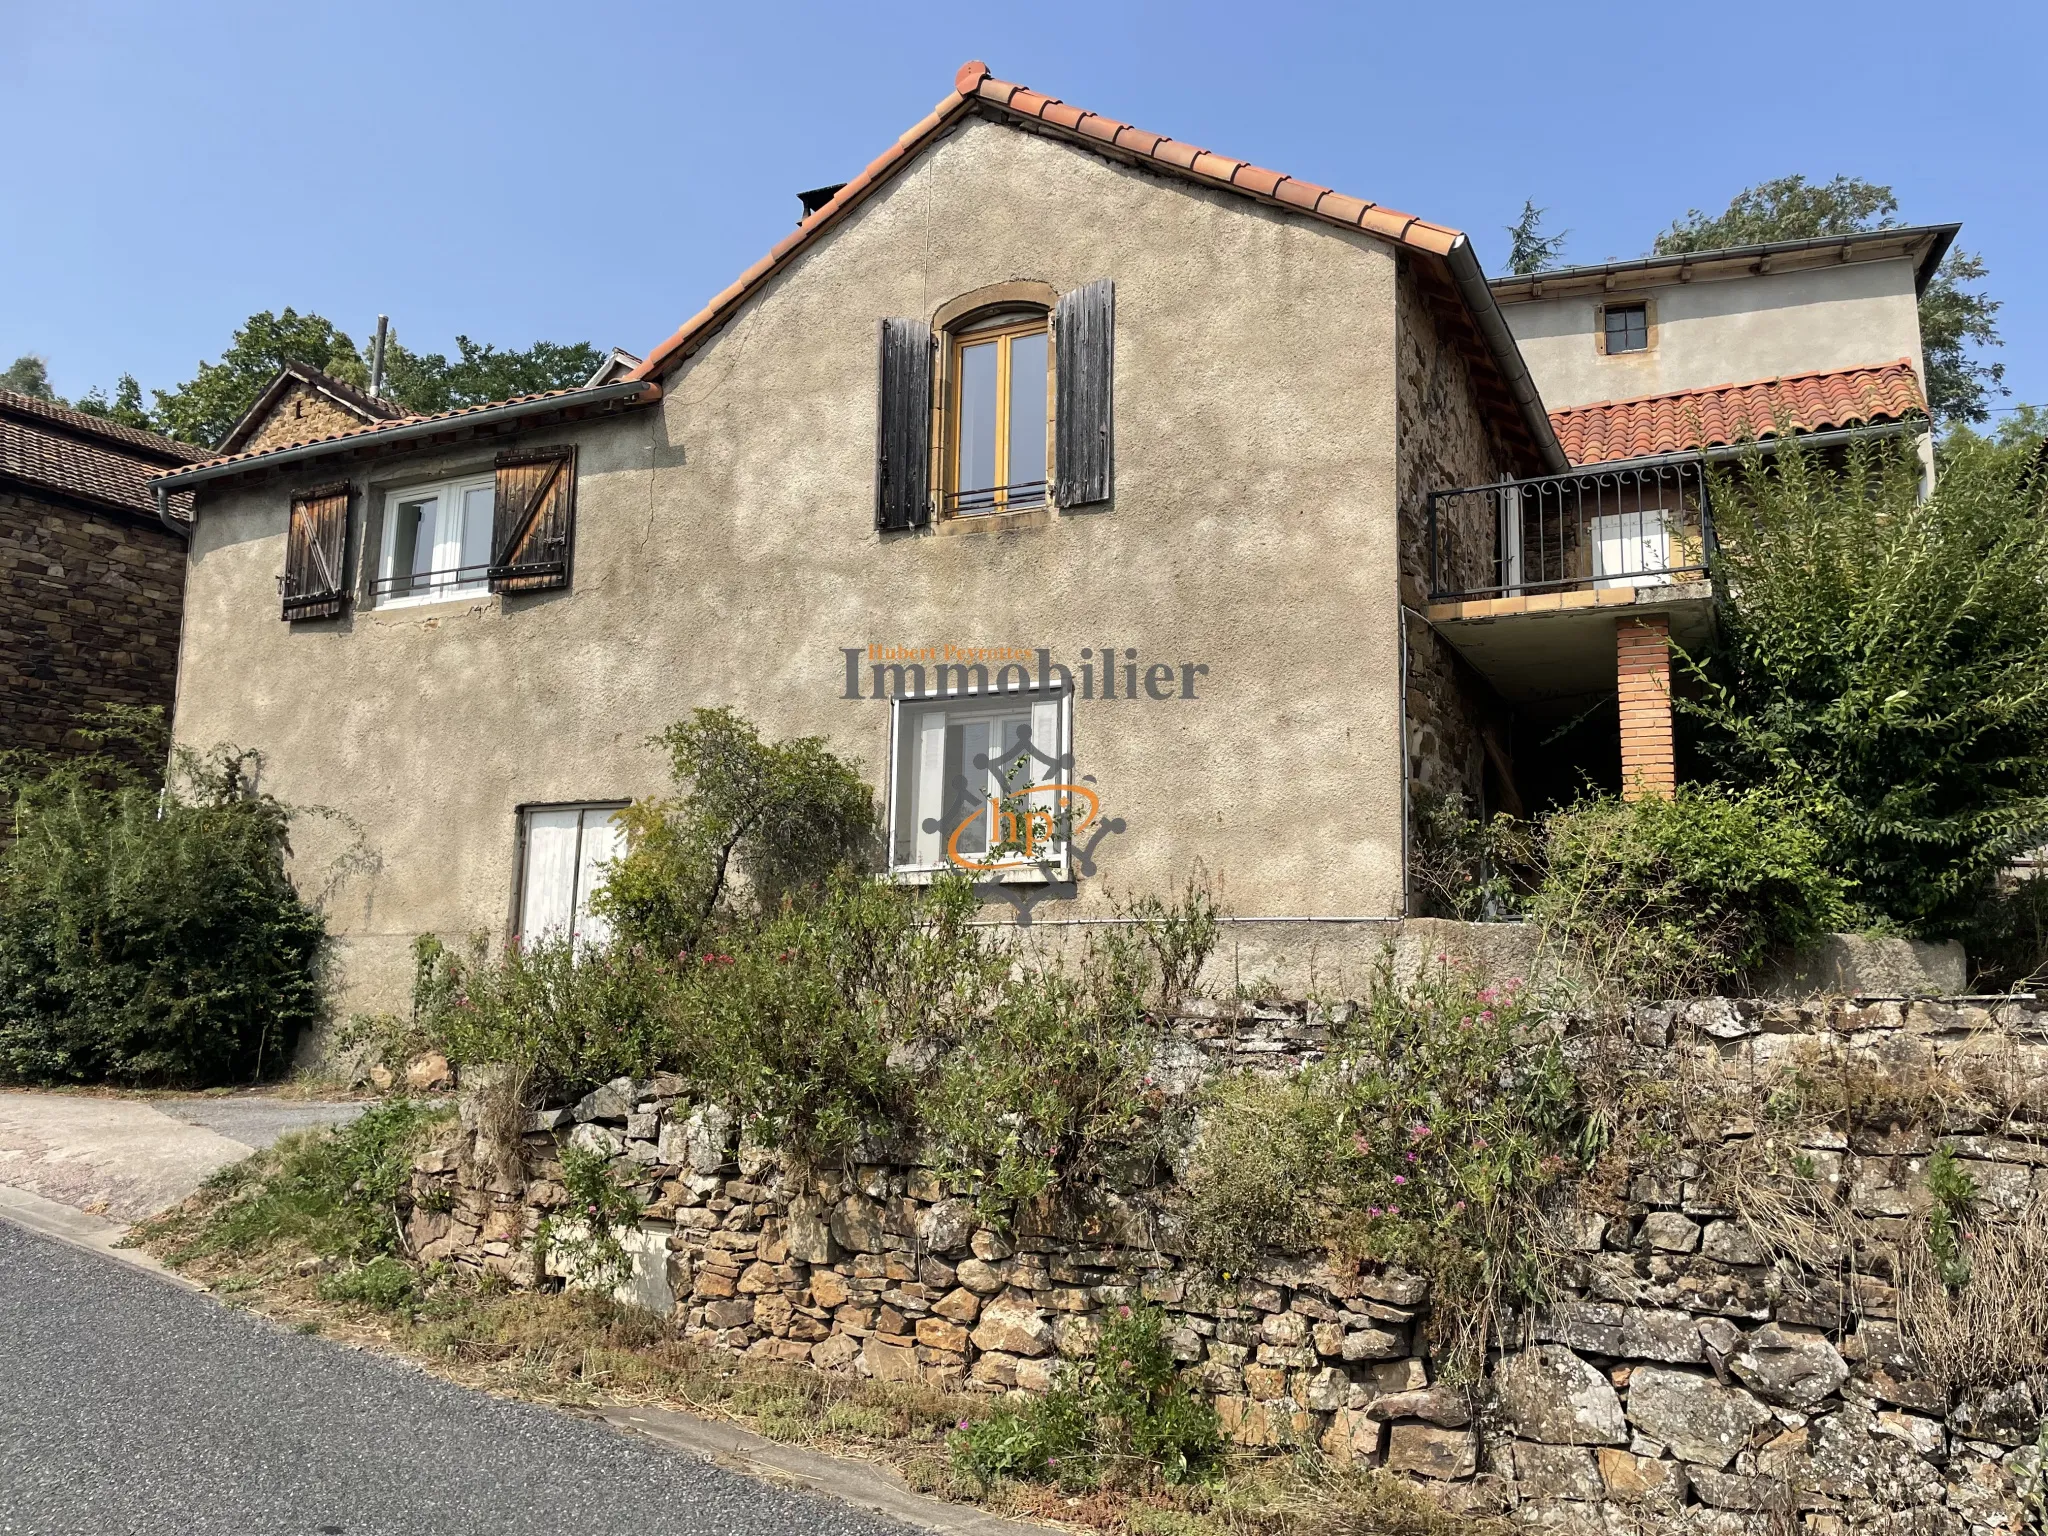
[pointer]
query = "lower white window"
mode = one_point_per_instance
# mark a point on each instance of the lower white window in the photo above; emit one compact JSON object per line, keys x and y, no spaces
{"x":563,"y":853}
{"x":437,"y":541}
{"x":983,"y":782}
{"x":1631,"y":549}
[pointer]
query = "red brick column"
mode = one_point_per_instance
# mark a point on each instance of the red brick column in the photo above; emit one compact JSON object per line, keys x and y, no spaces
{"x":1642,"y":657}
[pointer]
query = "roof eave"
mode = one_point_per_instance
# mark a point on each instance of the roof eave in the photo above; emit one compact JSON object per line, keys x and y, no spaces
{"x":638,"y":391}
{"x":1939,"y":238}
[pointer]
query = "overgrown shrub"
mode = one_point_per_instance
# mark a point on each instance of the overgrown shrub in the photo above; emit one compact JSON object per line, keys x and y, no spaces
{"x":1663,"y":898}
{"x":1127,"y":1416}
{"x":757,"y":823}
{"x":1883,"y":665}
{"x":562,"y":1021}
{"x":1464,"y":867}
{"x":1442,"y":1111}
{"x":149,"y":933}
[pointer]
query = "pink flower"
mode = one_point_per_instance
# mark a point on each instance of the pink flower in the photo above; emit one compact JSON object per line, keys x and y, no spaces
{"x":1372,"y":1210}
{"x":1459,"y":1206}
{"x":1479,"y":1144}
{"x":1411,"y":1157}
{"x":1393,"y":1210}
{"x":1364,"y":1147}
{"x":1400,"y":1178}
{"x":1418,"y":1130}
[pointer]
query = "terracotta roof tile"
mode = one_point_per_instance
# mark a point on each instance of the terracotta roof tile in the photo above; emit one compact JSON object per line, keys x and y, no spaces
{"x":1734,"y":413}
{"x":81,"y":456}
{"x":372,"y":428}
{"x":1257,"y":180}
{"x":81,"y":423}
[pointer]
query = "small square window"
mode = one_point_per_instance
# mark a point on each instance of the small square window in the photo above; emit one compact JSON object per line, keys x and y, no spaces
{"x":563,"y":853}
{"x":980,"y":782}
{"x":1628,"y":328}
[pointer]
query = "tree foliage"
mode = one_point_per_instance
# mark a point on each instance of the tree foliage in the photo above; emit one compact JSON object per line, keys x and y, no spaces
{"x":149,"y":934}
{"x":203,"y":408}
{"x":1883,"y":664}
{"x":1955,"y":319}
{"x":757,"y":821}
{"x":428,"y":383}
{"x":1529,"y":249}
{"x":29,"y":375}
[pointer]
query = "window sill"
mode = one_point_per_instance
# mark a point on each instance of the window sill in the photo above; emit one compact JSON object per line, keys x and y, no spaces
{"x":995,"y":520}
{"x":1041,"y":874}
{"x":461,"y":595}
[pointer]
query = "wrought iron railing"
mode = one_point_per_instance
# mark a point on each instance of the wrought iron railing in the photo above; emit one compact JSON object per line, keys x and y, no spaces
{"x":1633,"y":526}
{"x":997,"y":498}
{"x":430,"y":583}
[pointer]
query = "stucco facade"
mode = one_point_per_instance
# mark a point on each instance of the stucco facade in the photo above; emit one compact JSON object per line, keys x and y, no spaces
{"x":726,"y":554}
{"x":1715,"y":329}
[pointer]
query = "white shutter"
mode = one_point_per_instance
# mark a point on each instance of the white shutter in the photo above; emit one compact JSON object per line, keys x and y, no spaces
{"x":928,"y":803}
{"x":1510,"y":578}
{"x":548,"y":890}
{"x":601,"y":843}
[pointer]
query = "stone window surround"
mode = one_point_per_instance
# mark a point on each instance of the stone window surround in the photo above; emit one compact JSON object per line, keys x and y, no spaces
{"x":1649,"y":307}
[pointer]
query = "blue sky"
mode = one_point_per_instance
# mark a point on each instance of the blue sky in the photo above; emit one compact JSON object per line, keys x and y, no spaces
{"x":595,"y":171}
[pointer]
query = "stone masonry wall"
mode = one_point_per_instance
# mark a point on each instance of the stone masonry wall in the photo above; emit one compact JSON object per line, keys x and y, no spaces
{"x":301,"y":415}
{"x":1686,"y":1376}
{"x":1454,"y":720}
{"x":89,"y":611}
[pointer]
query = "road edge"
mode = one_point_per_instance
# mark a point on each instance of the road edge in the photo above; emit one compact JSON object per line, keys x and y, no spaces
{"x":77,"y":1229}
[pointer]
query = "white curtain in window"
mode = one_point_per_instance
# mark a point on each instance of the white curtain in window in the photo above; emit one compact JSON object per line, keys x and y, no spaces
{"x":548,"y":907}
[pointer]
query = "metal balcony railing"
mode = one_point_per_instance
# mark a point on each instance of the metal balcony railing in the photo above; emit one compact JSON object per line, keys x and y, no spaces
{"x":430,"y":583}
{"x":1635,"y":526}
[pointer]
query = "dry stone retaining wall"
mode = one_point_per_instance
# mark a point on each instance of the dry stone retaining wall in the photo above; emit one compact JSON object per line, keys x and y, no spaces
{"x":1684,"y":1377}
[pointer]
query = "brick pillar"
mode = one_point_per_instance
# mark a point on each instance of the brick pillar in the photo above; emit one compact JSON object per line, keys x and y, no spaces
{"x":1642,"y":656}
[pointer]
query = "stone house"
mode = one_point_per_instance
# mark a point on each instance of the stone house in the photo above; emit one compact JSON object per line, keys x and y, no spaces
{"x":301,"y":404}
{"x":1085,"y":487}
{"x":91,"y":579}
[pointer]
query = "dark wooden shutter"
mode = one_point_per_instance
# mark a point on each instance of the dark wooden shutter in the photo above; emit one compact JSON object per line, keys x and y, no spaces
{"x":533,"y":527}
{"x":1084,"y":334}
{"x":903,"y":443}
{"x":313,"y":581}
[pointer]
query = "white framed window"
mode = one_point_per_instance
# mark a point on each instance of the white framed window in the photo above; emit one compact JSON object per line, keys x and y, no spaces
{"x":983,"y":782}
{"x":437,"y":541}
{"x":563,"y":850}
{"x":1631,"y":549}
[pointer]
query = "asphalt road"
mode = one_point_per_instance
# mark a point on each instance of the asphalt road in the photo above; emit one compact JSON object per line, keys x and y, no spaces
{"x":128,"y":1405}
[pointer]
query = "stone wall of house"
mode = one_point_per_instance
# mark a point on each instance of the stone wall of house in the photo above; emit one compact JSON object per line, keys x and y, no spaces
{"x":1689,"y":1373}
{"x":89,"y":611}
{"x":1455,"y":721}
{"x":301,"y":415}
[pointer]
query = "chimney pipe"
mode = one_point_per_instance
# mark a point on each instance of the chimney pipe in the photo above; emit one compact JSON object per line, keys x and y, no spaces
{"x":377,"y":357}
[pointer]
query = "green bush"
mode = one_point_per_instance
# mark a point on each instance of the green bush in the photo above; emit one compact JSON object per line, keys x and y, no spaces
{"x":1664,"y":898}
{"x":1129,"y":1415}
{"x":150,"y":934}
{"x":1463,"y":867}
{"x":1883,"y":665}
{"x":1442,"y":1112}
{"x":758,"y":823}
{"x":564,"y":1022}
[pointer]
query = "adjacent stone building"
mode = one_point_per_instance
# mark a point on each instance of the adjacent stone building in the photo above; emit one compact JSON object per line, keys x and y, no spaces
{"x":91,"y":578}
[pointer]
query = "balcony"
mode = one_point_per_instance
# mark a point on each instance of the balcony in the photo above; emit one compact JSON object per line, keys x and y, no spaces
{"x":1527,"y":577}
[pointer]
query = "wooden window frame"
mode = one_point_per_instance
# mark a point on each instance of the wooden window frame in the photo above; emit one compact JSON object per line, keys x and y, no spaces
{"x":973,"y":330}
{"x":1649,"y":308}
